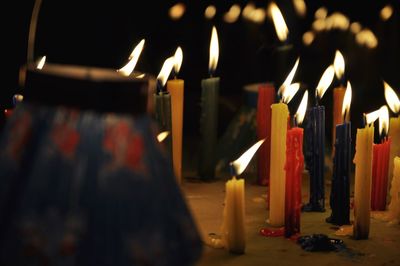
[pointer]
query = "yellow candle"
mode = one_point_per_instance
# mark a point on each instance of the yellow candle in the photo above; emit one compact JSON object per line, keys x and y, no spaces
{"x":279,"y":118}
{"x":394,"y":205}
{"x":394,"y":134}
{"x":363,"y":179}
{"x":234,"y":235}
{"x":176,"y":89}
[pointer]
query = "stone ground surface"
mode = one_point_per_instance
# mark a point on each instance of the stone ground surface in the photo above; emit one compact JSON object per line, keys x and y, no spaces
{"x":206,"y":203}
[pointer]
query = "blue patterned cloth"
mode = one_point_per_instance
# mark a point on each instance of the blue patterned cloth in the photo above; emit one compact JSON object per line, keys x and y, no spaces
{"x":83,"y":188}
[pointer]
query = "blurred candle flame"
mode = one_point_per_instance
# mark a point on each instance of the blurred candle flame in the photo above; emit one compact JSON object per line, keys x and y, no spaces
{"x":214,"y":51}
{"x":162,"y":136}
{"x":325,"y":82}
{"x":178,"y":58}
{"x":233,"y":14}
{"x":300,"y":7}
{"x":301,"y":111}
{"x":321,"y":13}
{"x":346,"y":102}
{"x":209,"y":12}
{"x":391,"y":98}
{"x":371,"y":117}
{"x":133,"y":59}
{"x":339,"y":64}
{"x":177,"y":11}
{"x":166,"y":70}
{"x":279,"y":22}
{"x":386,"y":12}
{"x":383,"y":120}
{"x":240,"y":164}
{"x":289,"y":78}
{"x":41,"y":63}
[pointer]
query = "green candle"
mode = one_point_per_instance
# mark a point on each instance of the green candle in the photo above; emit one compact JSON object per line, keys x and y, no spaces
{"x":209,"y":115}
{"x":162,"y":100}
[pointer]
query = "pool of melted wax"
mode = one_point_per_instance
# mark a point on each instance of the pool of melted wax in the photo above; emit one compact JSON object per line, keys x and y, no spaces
{"x":272,"y":232}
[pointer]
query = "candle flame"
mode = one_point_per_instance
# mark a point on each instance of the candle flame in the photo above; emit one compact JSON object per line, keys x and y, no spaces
{"x":162,"y":136}
{"x":338,"y":64}
{"x":177,"y":11}
{"x":391,"y":98}
{"x":383,"y":120}
{"x":279,"y":22}
{"x":41,"y":63}
{"x":210,"y":11}
{"x":300,"y":7}
{"x":133,"y":59}
{"x":290,"y":92}
{"x":386,"y":12}
{"x":325,"y":82}
{"x":241,"y":163}
{"x":233,"y":14}
{"x":371,"y":117}
{"x":289,"y":78}
{"x":346,"y":101}
{"x":166,"y":70}
{"x":178,"y":58}
{"x":301,"y":111}
{"x":214,"y":50}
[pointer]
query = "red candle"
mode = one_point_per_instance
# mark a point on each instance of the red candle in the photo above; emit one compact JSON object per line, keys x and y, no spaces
{"x":380,"y":166}
{"x":266,"y":97}
{"x":380,"y":163}
{"x":294,"y":167}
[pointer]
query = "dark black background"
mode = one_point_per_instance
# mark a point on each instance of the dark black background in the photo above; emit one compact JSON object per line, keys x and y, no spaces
{"x":103,"y":34}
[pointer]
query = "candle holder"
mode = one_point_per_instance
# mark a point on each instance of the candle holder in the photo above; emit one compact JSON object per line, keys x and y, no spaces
{"x":84,"y":180}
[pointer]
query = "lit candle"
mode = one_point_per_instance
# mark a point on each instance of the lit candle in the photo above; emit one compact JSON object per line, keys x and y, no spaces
{"x":233,"y":226}
{"x":394,"y":205}
{"x":380,"y":163}
{"x":279,"y":122}
{"x":294,"y":169}
{"x":315,"y":146}
{"x":209,"y":114}
{"x":133,"y":59}
{"x":283,"y":49}
{"x":176,"y":89}
{"x":266,"y":97}
{"x":340,"y":189}
{"x":338,"y":95}
{"x":162,"y":99}
{"x":363,"y":178}
{"x":394,"y":104}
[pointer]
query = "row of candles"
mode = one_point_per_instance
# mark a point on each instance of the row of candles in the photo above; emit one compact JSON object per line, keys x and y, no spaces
{"x":281,"y":159}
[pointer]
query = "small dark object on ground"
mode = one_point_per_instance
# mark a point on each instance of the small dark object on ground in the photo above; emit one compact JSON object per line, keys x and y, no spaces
{"x":320,"y":242}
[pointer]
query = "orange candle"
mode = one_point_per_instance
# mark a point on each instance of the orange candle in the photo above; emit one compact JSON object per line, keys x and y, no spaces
{"x":338,"y":96}
{"x":176,"y":89}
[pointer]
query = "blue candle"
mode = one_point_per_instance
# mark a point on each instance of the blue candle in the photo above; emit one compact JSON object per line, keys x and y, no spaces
{"x":340,"y":190}
{"x":315,"y":146}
